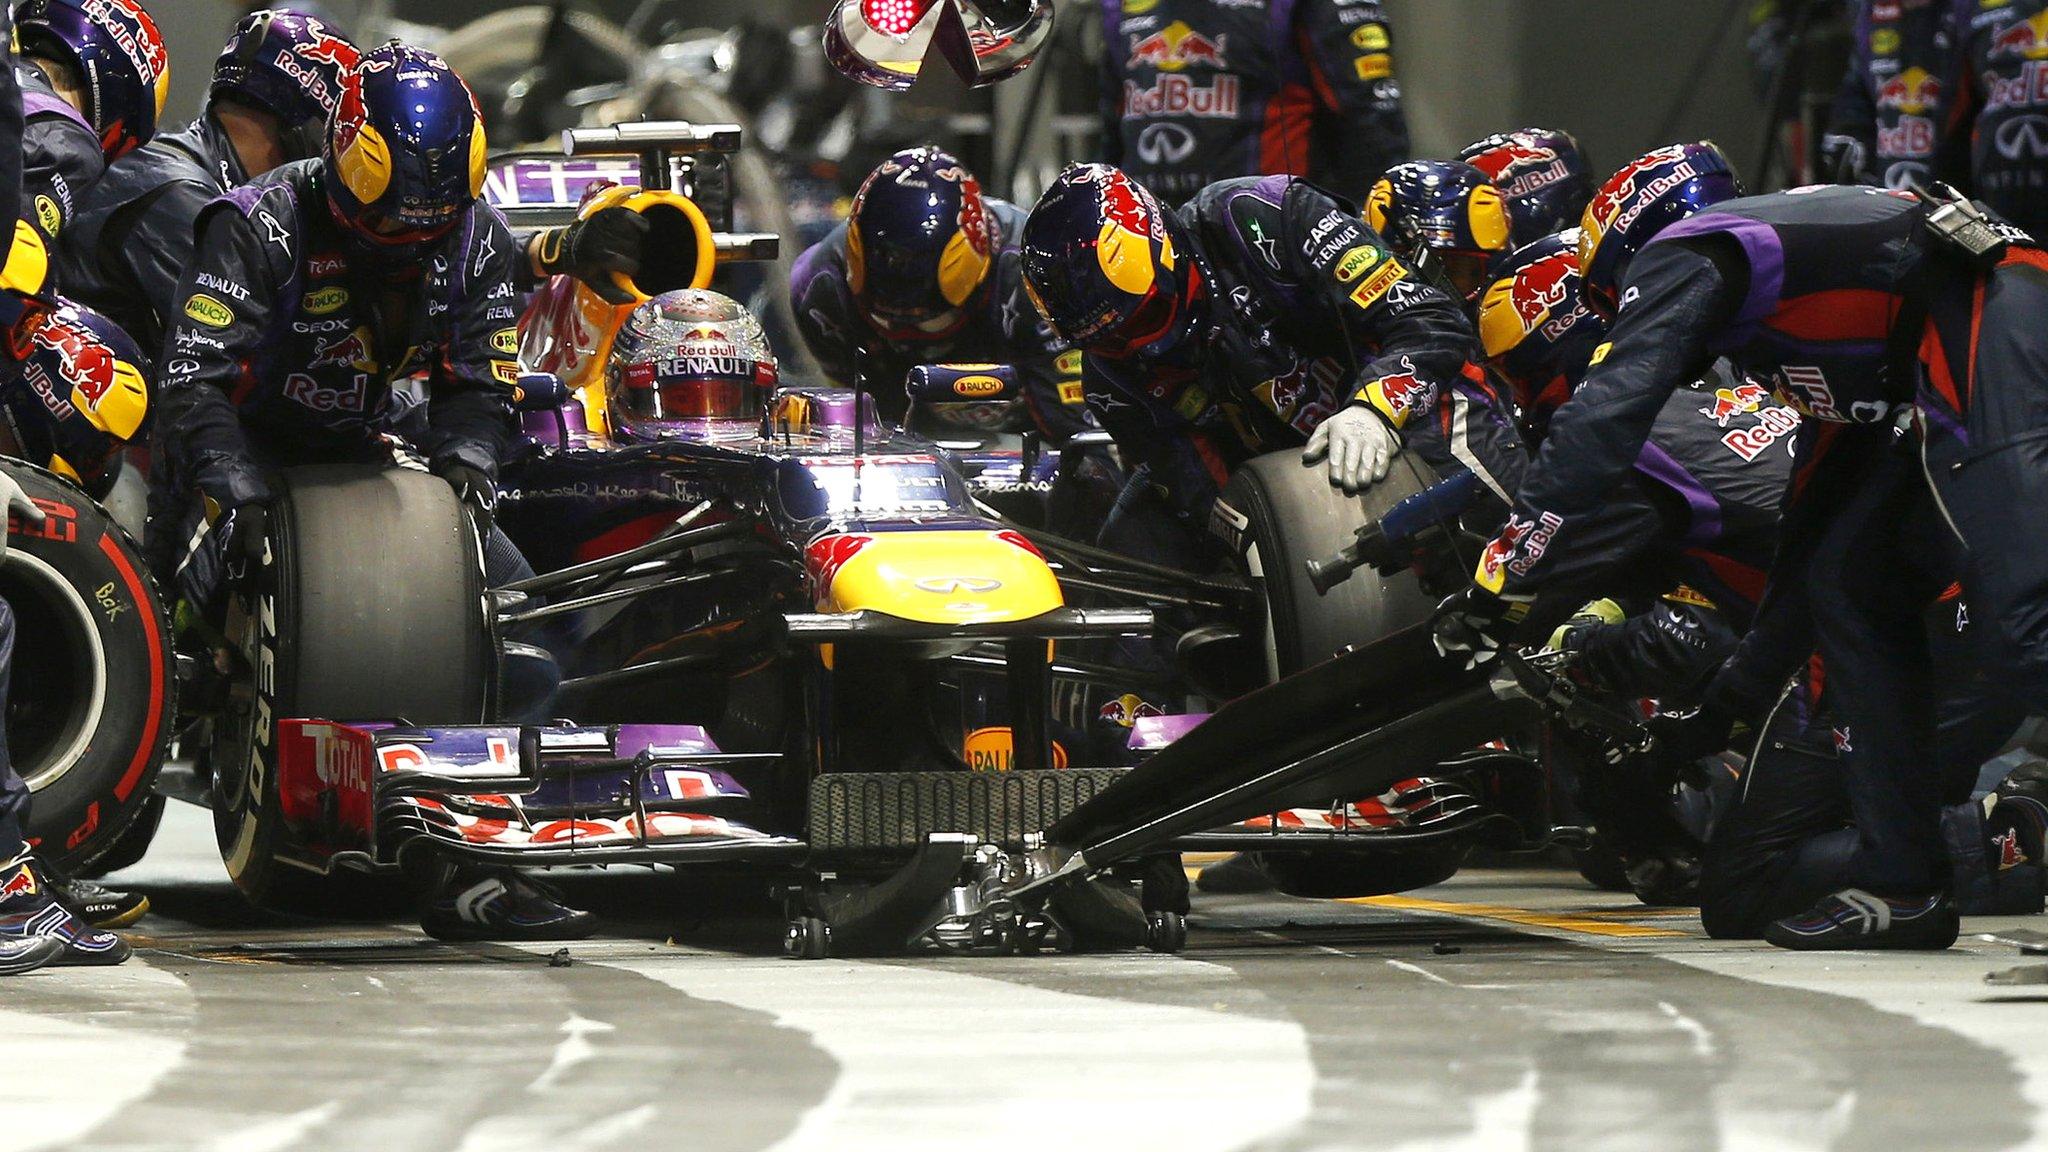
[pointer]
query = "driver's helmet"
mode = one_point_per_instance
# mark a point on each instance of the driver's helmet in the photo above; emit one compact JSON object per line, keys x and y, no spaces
{"x":405,"y":150}
{"x":683,"y":358}
{"x":1535,"y":324}
{"x":1447,"y":208}
{"x":1654,"y":192}
{"x":1112,"y":271}
{"x":919,"y":245}
{"x":290,"y":65}
{"x":120,"y":57}
{"x":80,"y":396}
{"x":1544,"y":174}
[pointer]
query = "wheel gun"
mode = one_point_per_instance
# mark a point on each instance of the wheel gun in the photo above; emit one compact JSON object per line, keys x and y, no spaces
{"x":1415,"y":533}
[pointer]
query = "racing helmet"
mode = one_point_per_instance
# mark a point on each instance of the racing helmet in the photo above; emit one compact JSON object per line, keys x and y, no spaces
{"x":120,"y":58}
{"x":405,"y":149}
{"x":1655,"y":191}
{"x":687,"y":356}
{"x":290,"y":65}
{"x":79,"y":398}
{"x":1114,"y":273}
{"x":1449,"y":208}
{"x":1543,"y":173}
{"x":918,"y":245}
{"x":1535,"y":325}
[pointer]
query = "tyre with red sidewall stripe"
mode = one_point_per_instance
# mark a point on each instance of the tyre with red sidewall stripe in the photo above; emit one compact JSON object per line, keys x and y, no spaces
{"x":91,"y":694}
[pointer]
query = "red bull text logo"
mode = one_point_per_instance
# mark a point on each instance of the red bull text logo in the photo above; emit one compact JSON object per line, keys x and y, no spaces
{"x":1520,"y":169}
{"x":1621,"y":187}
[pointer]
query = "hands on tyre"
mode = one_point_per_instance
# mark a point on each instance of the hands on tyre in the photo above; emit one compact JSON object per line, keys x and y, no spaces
{"x":1359,"y":444}
{"x":18,"y":504}
{"x":592,"y":250}
{"x":475,"y":488}
{"x":1474,"y":623}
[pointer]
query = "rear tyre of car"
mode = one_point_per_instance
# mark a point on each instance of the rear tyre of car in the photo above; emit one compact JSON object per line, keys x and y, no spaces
{"x":89,"y":706}
{"x":1286,"y":513}
{"x":369,"y":606}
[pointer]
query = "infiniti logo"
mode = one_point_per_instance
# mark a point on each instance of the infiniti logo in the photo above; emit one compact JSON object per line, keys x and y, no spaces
{"x":947,"y":585}
{"x":2024,"y":138}
{"x":1165,"y":143}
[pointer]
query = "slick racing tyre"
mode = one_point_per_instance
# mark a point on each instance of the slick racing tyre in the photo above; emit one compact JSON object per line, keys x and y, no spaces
{"x":369,"y":606}
{"x":1283,"y":513}
{"x":89,"y":707}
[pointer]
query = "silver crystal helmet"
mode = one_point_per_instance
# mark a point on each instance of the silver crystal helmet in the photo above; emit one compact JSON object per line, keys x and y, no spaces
{"x":683,"y":358}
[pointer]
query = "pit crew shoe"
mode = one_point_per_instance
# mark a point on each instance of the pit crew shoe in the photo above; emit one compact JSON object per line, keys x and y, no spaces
{"x":28,"y":910}
{"x":1240,"y":873}
{"x":19,"y":956}
{"x":1853,"y":919}
{"x":97,"y":904}
{"x":501,"y":906}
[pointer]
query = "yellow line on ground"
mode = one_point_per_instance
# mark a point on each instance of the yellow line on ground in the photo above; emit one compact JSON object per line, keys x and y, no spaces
{"x":1534,"y":919}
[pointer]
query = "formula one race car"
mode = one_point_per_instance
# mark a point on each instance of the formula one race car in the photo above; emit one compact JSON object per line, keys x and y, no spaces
{"x":786,"y":634}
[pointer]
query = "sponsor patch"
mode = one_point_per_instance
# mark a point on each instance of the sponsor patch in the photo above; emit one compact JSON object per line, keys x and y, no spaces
{"x":1370,"y":38}
{"x":505,"y":340}
{"x":1376,"y":285}
{"x":977,"y":387}
{"x":321,"y":301}
{"x":1356,"y":263}
{"x":208,"y":311}
{"x":1376,"y":66}
{"x":1068,"y":363}
{"x":506,"y":371}
{"x":49,"y":215}
{"x":1686,"y":594}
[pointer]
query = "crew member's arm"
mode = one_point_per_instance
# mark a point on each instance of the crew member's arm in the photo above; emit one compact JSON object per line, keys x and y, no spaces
{"x":823,"y":304}
{"x":1152,"y":436}
{"x":150,"y":242}
{"x":1676,"y":299}
{"x":1348,"y":47}
{"x":469,"y":413}
{"x":60,"y":162}
{"x":212,"y":339}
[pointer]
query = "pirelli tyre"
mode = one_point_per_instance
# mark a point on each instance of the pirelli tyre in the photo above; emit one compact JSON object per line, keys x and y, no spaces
{"x":369,"y":605}
{"x":89,"y":707}
{"x":1277,"y":513}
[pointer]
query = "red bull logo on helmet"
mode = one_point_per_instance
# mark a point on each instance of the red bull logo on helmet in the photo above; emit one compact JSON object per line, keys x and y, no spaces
{"x":1519,"y":167}
{"x":2026,"y":40}
{"x":1607,"y":204}
{"x":1177,"y":47}
{"x":1542,"y":286}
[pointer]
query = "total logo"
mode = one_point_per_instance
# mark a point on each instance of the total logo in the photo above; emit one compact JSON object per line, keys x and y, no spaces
{"x":1177,"y":47}
{"x":2026,"y":40}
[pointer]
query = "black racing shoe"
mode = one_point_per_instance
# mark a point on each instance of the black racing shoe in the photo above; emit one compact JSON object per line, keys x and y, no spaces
{"x":1853,"y":919}
{"x":1238,"y":874}
{"x":501,"y":905}
{"x":28,"y":954}
{"x":97,"y":904}
{"x":28,"y":910}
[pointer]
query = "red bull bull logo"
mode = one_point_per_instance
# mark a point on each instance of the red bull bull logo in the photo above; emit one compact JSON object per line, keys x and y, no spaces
{"x":1126,"y":710}
{"x":2026,"y":40}
{"x":1519,"y":168}
{"x":1728,"y":403}
{"x":1620,"y":188}
{"x":352,"y":350}
{"x":1914,"y":92}
{"x":1177,"y":47}
{"x":1542,"y":286}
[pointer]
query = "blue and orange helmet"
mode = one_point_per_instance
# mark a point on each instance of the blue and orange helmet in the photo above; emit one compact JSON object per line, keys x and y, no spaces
{"x":1654,"y":192}
{"x":80,"y":396}
{"x":1535,"y":325}
{"x":1446,"y":207}
{"x":1544,"y":174}
{"x":919,"y":245}
{"x":405,"y":152}
{"x":290,"y":65}
{"x":120,"y":57}
{"x":1112,"y":271}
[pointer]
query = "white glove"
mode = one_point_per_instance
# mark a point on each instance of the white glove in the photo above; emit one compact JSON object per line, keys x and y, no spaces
{"x":1360,"y":445}
{"x":18,"y":504}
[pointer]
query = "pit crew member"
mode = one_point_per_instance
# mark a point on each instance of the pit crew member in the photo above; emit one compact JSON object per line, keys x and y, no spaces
{"x":1544,"y":174}
{"x":2000,"y":49}
{"x":1858,"y":309}
{"x":1196,"y":91}
{"x":1900,"y":116}
{"x":1266,"y":315}
{"x":94,"y":74}
{"x":274,"y":86}
{"x":927,"y":269}
{"x":1443,"y":214}
{"x":317,"y":292}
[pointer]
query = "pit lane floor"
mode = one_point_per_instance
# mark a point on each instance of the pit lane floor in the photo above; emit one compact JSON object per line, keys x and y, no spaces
{"x":1504,"y":1010}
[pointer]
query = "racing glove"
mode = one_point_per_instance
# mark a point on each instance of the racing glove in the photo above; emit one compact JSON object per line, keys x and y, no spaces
{"x":593,"y":249}
{"x":1359,"y":444}
{"x":475,"y":488}
{"x":1473,"y":623}
{"x":229,"y":554}
{"x":18,"y":504}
